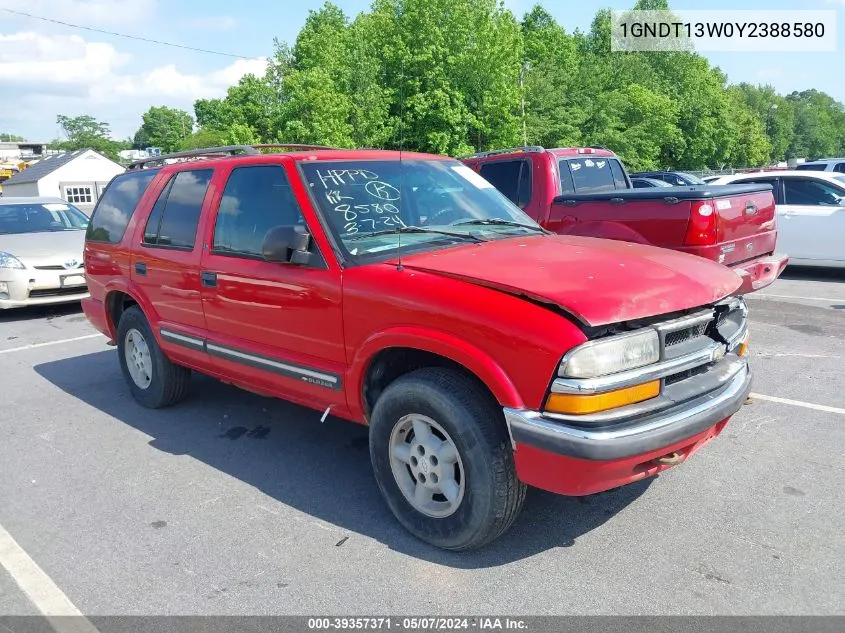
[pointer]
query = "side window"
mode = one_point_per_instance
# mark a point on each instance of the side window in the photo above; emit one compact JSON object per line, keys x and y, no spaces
{"x":566,"y":183}
{"x":117,"y":204}
{"x":505,"y":176}
{"x":591,"y":175}
{"x":840,"y":167}
{"x":811,"y":193}
{"x":151,"y":230}
{"x":618,"y":174}
{"x":254,"y":200}
{"x":174,"y":218}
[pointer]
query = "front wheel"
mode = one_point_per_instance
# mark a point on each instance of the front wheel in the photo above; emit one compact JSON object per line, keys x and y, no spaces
{"x":443,"y":461}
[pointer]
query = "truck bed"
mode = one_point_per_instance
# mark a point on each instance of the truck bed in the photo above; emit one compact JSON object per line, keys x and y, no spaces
{"x":745,"y":218}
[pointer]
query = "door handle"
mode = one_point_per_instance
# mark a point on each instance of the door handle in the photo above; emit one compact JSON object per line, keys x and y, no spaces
{"x":140,"y":268}
{"x":208,"y":279}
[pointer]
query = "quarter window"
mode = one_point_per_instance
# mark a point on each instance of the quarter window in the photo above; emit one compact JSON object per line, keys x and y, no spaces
{"x":175,"y":215}
{"x":116,"y":206}
{"x":78,"y":195}
{"x":840,"y":167}
{"x":255,"y":200}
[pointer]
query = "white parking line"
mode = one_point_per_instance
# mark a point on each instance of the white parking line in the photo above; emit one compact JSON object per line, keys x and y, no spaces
{"x":34,"y":345}
{"x":799,"y":403}
{"x":40,"y":589}
{"x":766,"y":294}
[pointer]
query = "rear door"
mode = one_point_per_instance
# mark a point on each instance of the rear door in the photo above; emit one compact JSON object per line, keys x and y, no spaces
{"x":166,"y":259}
{"x":813,"y":221}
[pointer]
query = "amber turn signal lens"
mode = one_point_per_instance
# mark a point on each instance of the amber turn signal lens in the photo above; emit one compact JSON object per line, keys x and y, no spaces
{"x":742,"y":350}
{"x":580,"y":405}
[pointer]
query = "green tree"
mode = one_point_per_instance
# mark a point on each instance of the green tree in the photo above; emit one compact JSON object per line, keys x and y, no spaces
{"x":819,"y":125}
{"x":164,"y":127}
{"x":553,"y":100}
{"x":203,"y":138}
{"x":85,"y":132}
{"x":10,"y":138}
{"x":317,"y":108}
{"x":637,"y":124}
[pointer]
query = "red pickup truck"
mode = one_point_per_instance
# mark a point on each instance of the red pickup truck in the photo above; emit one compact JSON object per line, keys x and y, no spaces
{"x":587,"y":191}
{"x":402,"y":291}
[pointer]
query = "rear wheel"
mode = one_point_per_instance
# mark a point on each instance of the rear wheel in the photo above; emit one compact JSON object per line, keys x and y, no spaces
{"x":443,"y":461}
{"x":155,"y":382}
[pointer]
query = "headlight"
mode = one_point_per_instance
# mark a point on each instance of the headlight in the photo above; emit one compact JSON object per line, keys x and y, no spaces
{"x":611,"y":355}
{"x":7,"y":260}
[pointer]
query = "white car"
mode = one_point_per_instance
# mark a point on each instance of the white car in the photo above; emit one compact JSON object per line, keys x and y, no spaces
{"x":810,"y":212}
{"x":41,"y":244}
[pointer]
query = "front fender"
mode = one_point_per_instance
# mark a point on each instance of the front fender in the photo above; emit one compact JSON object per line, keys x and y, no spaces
{"x":435,"y":342}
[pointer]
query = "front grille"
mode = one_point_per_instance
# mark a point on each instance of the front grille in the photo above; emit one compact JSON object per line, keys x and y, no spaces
{"x":684,"y":375}
{"x":57,"y":267}
{"x":681,"y":336}
{"x":58,"y":292}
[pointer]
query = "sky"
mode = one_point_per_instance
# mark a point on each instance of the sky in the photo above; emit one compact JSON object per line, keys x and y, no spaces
{"x":48,"y":69}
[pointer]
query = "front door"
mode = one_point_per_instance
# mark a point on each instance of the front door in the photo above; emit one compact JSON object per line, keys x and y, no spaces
{"x":275,"y":326}
{"x":812,"y":219}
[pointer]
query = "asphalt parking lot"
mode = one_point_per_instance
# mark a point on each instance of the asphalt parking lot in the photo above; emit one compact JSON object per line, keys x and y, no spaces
{"x":230,"y":503}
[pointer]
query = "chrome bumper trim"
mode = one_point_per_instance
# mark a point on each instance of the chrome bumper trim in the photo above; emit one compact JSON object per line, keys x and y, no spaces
{"x":534,"y":421}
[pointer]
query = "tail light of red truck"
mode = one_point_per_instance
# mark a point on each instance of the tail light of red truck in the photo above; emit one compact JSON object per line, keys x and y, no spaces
{"x":701,"y":230}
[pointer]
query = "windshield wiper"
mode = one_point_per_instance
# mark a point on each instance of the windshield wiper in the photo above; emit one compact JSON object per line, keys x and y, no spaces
{"x":500,"y":222}
{"x":418,"y":229}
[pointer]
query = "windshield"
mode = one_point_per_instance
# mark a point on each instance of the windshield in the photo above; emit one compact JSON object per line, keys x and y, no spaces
{"x":695,"y":180}
{"x":40,"y":218}
{"x":431,"y":202}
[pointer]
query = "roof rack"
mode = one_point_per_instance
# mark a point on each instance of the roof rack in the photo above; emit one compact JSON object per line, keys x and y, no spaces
{"x":218,"y":152}
{"x":509,"y":150}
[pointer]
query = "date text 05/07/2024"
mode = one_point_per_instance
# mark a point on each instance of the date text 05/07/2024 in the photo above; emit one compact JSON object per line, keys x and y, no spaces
{"x":418,"y":623}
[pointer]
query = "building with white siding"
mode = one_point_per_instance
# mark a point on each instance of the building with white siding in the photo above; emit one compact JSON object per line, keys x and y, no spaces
{"x":78,"y":177}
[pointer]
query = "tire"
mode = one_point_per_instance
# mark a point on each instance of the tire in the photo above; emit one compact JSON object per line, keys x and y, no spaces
{"x":456,"y":409}
{"x":162,"y":383}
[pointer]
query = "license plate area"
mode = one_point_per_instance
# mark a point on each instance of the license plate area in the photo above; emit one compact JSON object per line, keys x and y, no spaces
{"x":71,"y":280}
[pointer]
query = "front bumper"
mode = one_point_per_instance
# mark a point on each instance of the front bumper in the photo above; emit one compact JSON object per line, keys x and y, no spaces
{"x":644,"y":435}
{"x":759,"y":273}
{"x":30,"y":287}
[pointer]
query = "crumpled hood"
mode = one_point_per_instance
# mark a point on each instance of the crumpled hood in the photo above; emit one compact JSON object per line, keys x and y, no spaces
{"x":597,"y":281}
{"x":53,"y":245}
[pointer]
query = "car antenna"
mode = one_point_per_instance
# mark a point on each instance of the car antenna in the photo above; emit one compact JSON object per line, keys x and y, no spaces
{"x":401,"y":144}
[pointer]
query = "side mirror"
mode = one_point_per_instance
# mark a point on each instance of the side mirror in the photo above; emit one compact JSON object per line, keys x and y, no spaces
{"x":287,"y":245}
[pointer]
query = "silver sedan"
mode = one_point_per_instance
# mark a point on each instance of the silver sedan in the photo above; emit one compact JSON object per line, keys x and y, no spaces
{"x":41,"y":244}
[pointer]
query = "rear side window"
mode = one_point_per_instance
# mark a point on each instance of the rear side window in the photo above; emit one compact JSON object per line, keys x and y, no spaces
{"x":618,"y":175}
{"x":512,"y":178}
{"x":840,"y":167}
{"x":255,"y":200}
{"x":174,"y":218}
{"x":116,"y":206}
{"x":586,"y":175}
{"x":810,"y":166}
